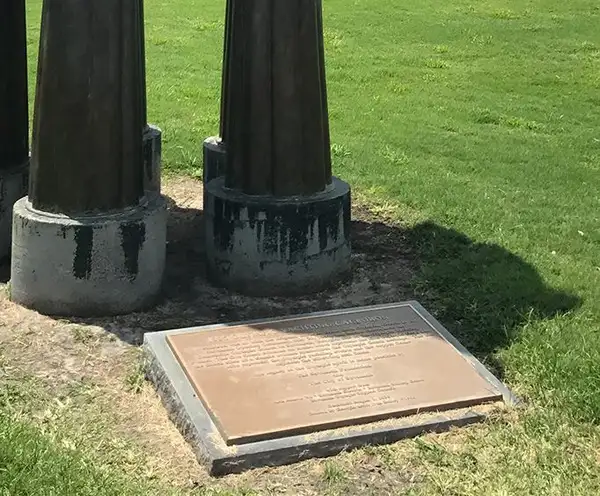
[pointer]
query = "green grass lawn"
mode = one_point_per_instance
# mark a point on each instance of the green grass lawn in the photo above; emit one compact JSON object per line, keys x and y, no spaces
{"x":476,"y":126}
{"x":31,"y":464}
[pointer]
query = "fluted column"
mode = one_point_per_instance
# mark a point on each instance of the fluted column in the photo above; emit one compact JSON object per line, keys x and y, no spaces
{"x":278,"y":128}
{"x":225,"y":107}
{"x":14,"y":128}
{"x":277,"y":220}
{"x":88,"y":120}
{"x":14,"y":118}
{"x":87,"y":239}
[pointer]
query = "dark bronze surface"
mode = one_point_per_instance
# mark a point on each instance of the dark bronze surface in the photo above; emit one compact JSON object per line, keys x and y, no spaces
{"x":14,"y":119}
{"x":225,"y":75}
{"x":142,"y":47}
{"x":89,"y":109}
{"x":275,"y":121}
{"x":307,"y":374}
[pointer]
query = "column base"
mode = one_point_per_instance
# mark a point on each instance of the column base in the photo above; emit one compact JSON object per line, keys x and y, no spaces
{"x":88,"y":265}
{"x":214,"y":159}
{"x":266,"y":246}
{"x":13,"y":186}
{"x":152,"y":159}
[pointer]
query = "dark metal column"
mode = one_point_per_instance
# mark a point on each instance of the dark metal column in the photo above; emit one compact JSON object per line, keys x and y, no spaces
{"x":277,"y":222}
{"x":88,"y":240}
{"x":14,"y":119}
{"x":88,"y":124}
{"x":278,"y":127}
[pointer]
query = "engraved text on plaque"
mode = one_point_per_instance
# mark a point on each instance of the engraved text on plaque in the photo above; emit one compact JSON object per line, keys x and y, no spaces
{"x":311,"y":373}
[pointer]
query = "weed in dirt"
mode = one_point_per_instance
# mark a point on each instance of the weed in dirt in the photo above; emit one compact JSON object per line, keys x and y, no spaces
{"x":431,"y":451}
{"x":82,"y":334}
{"x":136,"y":379}
{"x":333,"y":473}
{"x":20,"y":394}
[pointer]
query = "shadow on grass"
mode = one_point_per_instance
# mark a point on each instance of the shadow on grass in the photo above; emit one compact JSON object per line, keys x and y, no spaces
{"x":480,"y":292}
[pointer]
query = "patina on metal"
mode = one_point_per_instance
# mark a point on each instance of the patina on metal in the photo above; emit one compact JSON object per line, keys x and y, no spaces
{"x":274,"y":111}
{"x":298,"y":376}
{"x":90,"y":107}
{"x":225,"y":108}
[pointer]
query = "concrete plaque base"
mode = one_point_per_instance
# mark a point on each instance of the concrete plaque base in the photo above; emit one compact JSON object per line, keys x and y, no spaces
{"x":279,"y":391}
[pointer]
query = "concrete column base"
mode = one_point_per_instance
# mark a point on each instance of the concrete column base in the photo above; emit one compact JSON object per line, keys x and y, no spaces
{"x":152,"y":160}
{"x":88,"y":265}
{"x":13,"y":186}
{"x":268,"y":246}
{"x":214,"y":159}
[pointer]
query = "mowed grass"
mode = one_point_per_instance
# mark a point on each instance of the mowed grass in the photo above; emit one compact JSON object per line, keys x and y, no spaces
{"x":33,"y":464}
{"x":476,"y":126}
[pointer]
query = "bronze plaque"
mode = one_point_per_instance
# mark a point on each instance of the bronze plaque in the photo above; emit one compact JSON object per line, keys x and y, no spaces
{"x":297,"y":376}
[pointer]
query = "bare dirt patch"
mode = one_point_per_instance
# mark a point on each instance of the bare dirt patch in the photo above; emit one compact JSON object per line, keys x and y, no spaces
{"x":93,"y":393}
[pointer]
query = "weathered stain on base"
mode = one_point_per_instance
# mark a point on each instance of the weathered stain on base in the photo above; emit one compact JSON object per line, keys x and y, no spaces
{"x":277,"y":245}
{"x":90,"y":265}
{"x":84,"y":246}
{"x":281,"y":230}
{"x":133,"y":236}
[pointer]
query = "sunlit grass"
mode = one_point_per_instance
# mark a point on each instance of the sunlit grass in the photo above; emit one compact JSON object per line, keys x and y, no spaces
{"x":483,"y":119}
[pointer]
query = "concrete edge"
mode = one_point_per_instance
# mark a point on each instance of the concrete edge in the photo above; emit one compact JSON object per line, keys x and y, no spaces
{"x":337,"y":189}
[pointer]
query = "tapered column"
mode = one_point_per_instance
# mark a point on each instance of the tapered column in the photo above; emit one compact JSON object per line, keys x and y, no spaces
{"x":88,"y":240}
{"x":278,"y":128}
{"x":277,"y":221}
{"x":14,"y":118}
